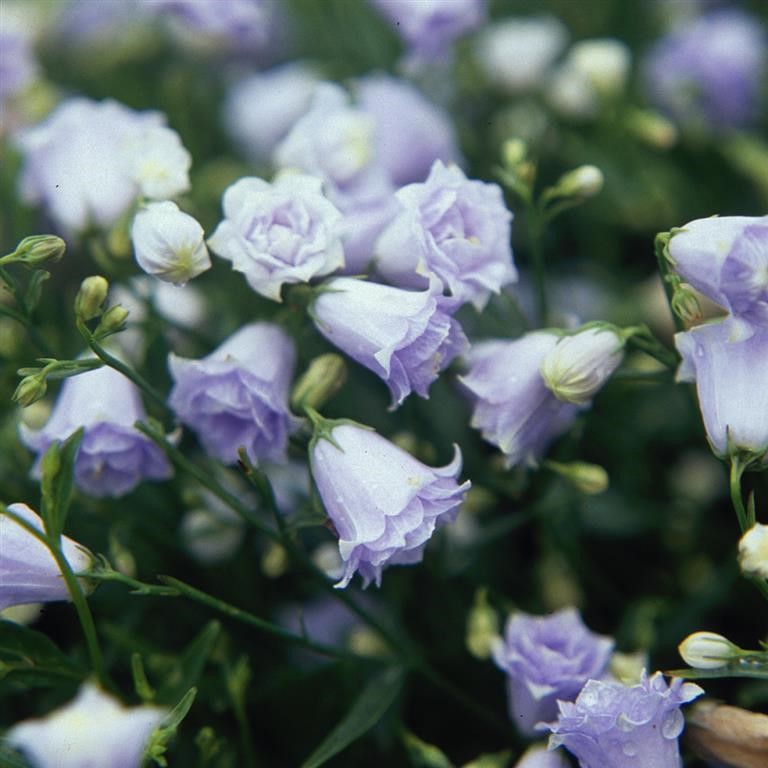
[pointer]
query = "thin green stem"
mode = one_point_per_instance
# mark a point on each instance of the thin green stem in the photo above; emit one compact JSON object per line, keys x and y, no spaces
{"x":22,"y":314}
{"x":643,"y":339}
{"x":535,"y":238}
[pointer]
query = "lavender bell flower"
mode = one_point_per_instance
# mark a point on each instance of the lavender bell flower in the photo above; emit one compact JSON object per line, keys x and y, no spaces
{"x":405,"y":337}
{"x":727,"y":260}
{"x":452,"y":228}
{"x":548,"y":658}
{"x":284,"y":232}
{"x":238,"y":395}
{"x":410,"y":132}
{"x":114,"y":457}
{"x":384,"y":504}
{"x":28,"y":571}
{"x":92,"y":729}
{"x":709,"y":72}
{"x":430,"y":27}
{"x":513,"y":407}
{"x":731,"y":375}
{"x":614,"y":726}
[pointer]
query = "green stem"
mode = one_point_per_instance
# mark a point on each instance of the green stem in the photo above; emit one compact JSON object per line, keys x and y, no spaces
{"x":535,"y":236}
{"x":75,"y":594}
{"x":22,"y":316}
{"x":643,"y":339}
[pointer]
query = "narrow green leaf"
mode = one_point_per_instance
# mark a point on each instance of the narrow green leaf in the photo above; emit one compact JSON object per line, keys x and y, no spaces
{"x":375,"y":699}
{"x":10,"y":759}
{"x":424,"y":755}
{"x":158,"y":742}
{"x":23,"y":650}
{"x":495,"y":760}
{"x":34,"y":288}
{"x":57,"y":482}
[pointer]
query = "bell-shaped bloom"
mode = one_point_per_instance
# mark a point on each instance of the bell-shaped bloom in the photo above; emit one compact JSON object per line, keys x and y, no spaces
{"x":731,"y":375}
{"x":517,"y":53}
{"x":726,"y":258}
{"x":384,"y":504}
{"x":410,"y":132}
{"x":580,"y":364}
{"x":114,"y":457}
{"x":548,"y":658}
{"x":615,"y":726}
{"x":708,"y":73}
{"x":238,"y":395}
{"x":430,"y":27}
{"x":168,"y":243}
{"x":284,"y":232}
{"x":28,"y":571}
{"x":452,"y":228}
{"x":129,"y":154}
{"x":513,"y":407}
{"x":91,"y":730}
{"x":405,"y":337}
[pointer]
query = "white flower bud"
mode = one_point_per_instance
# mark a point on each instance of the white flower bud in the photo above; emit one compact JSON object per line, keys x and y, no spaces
{"x":753,"y":551}
{"x":707,"y":650}
{"x":169,"y":243}
{"x":584,"y":181}
{"x":604,"y":62}
{"x":578,"y":365}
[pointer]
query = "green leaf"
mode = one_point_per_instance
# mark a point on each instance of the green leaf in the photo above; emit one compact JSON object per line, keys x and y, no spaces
{"x":11,"y":759}
{"x":23,"y":650}
{"x":423,"y":755}
{"x":190,"y":665}
{"x":158,"y":742}
{"x":57,"y":481}
{"x":755,"y":669}
{"x":367,"y":710}
{"x":495,"y":760}
{"x":34,"y":288}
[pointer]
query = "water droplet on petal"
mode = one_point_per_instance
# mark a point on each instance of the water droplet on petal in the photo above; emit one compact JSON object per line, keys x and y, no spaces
{"x":629,"y":749}
{"x":672,"y":724}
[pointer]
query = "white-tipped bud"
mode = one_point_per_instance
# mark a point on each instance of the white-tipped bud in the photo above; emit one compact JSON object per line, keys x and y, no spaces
{"x":590,"y":479}
{"x":584,"y":181}
{"x":91,"y":296}
{"x":753,"y":551}
{"x":707,"y":650}
{"x":604,"y":62}
{"x":579,"y":365}
{"x":482,"y":627}
{"x":169,"y":243}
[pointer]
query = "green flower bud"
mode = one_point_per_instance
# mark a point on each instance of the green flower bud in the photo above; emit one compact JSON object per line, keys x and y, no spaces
{"x":39,"y":250}
{"x":321,"y":381}
{"x":112,"y":321}
{"x":582,"y":182}
{"x":482,"y":627}
{"x":707,"y":650}
{"x":513,"y":152}
{"x":685,"y":304}
{"x":590,"y":479}
{"x":30,"y":390}
{"x":92,"y":294}
{"x":753,"y":551}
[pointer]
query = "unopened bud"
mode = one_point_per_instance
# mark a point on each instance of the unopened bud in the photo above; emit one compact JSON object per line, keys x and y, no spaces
{"x":628,"y":668}
{"x":652,"y":128}
{"x":321,"y":381}
{"x":92,"y":294}
{"x":30,"y":390}
{"x":112,"y":321}
{"x":513,"y":152}
{"x":590,"y":479}
{"x":582,"y":182}
{"x":482,"y":627}
{"x":604,"y":62}
{"x":753,"y":551}
{"x":685,"y":304}
{"x":707,"y":650}
{"x":38,"y":250}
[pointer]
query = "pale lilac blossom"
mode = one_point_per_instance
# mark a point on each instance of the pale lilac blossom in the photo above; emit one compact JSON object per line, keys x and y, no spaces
{"x":238,"y":395}
{"x":114,"y":457}
{"x":91,"y":730}
{"x":548,"y":658}
{"x":28,"y":571}
{"x":284,"y":232}
{"x":452,"y":228}
{"x":615,"y":726}
{"x":384,"y":504}
{"x":405,"y":337}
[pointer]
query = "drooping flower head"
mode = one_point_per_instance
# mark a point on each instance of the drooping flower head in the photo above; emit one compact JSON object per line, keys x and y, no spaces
{"x":238,"y":395}
{"x":405,"y":337}
{"x":709,"y":71}
{"x":93,"y":729}
{"x":114,"y":457}
{"x":284,"y":232}
{"x":384,"y":504}
{"x":129,"y":153}
{"x":726,"y":258}
{"x":451,"y":228}
{"x":615,"y":726}
{"x":731,"y":375}
{"x":28,"y":571}
{"x":513,"y":407}
{"x":548,"y":658}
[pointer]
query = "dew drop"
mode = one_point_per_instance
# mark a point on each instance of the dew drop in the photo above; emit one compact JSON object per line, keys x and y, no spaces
{"x":629,"y":749}
{"x":672,"y":725}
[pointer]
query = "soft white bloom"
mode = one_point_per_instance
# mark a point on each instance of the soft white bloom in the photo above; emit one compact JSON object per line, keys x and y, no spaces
{"x":579,"y":365}
{"x":168,"y":243}
{"x":160,"y":163}
{"x":92,"y":730}
{"x":753,"y":551}
{"x":707,"y":650}
{"x":571,"y":94}
{"x":516,"y":53}
{"x":604,"y":62}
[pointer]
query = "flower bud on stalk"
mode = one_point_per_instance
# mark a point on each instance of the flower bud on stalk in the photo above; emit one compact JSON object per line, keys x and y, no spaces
{"x":582,"y":182}
{"x":482,"y":627}
{"x":590,"y":479}
{"x":753,"y":551}
{"x":321,"y":381}
{"x":112,"y":321}
{"x":91,"y":296}
{"x":707,"y":650}
{"x":39,"y":250}
{"x":30,"y":390}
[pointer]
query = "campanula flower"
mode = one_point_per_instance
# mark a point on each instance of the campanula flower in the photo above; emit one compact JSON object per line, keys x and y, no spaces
{"x":28,"y":571}
{"x":114,"y":457}
{"x":452,"y":228}
{"x":238,"y":395}
{"x":92,"y":729}
{"x":383,"y":503}
{"x":615,"y":726}
{"x":405,"y":337}
{"x":284,"y":232}
{"x":548,"y":658}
